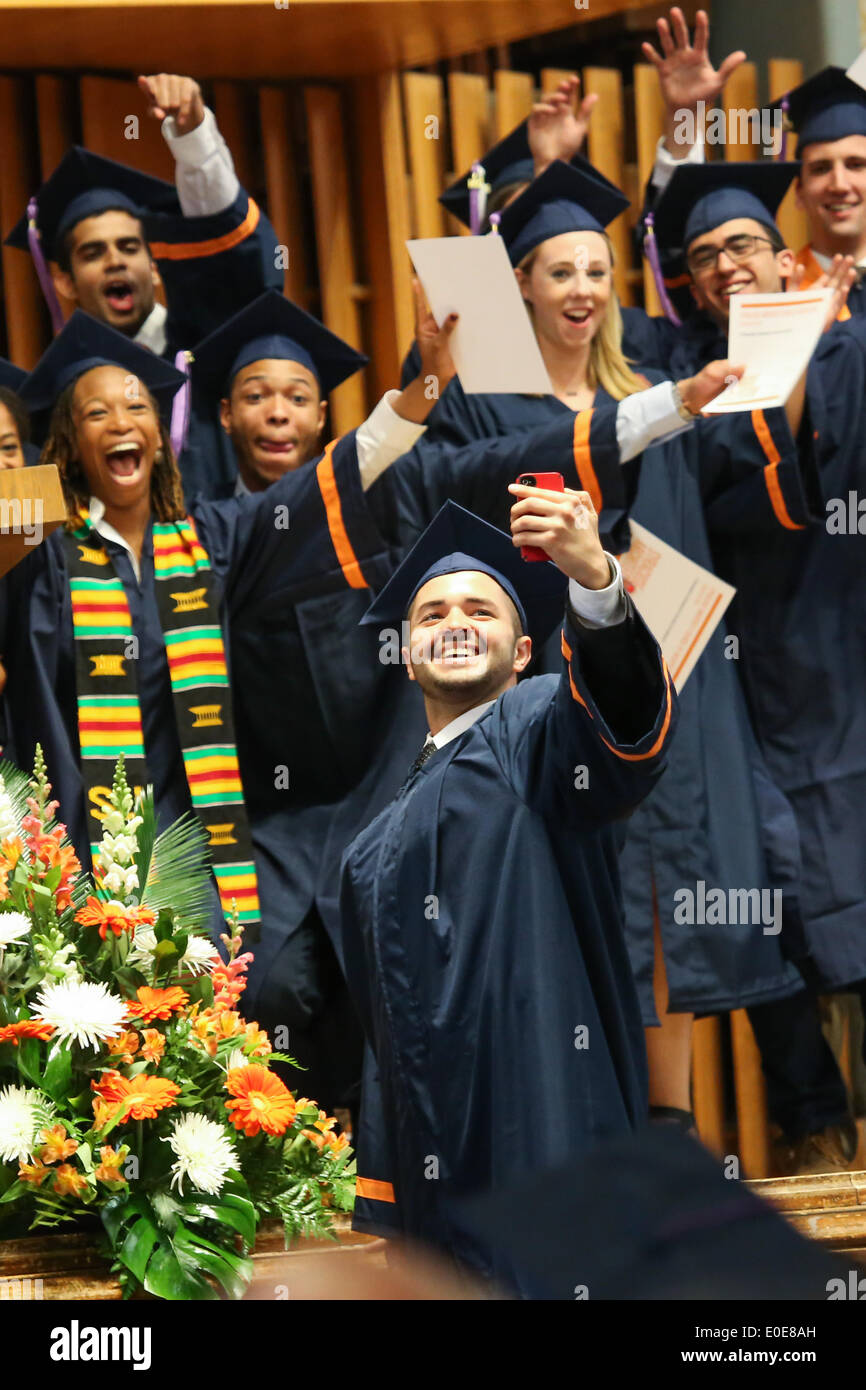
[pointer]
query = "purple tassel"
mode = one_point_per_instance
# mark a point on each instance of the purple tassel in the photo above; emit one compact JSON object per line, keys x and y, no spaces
{"x":651,"y":251}
{"x":34,"y":241}
{"x":495,"y":219}
{"x":180,"y":407}
{"x":783,"y":143}
{"x":478,"y":191}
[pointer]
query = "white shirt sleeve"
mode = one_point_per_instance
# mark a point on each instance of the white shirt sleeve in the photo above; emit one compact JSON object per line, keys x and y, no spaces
{"x":648,"y":417}
{"x":205,"y":172}
{"x":600,"y":607}
{"x":384,"y":437}
{"x":666,"y":163}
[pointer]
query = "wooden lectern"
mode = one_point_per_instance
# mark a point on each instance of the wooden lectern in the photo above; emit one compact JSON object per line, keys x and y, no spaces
{"x":31,"y":507}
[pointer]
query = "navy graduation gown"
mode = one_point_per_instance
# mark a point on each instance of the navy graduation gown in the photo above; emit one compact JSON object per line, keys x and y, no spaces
{"x":714,"y":816}
{"x":485,"y":950}
{"x":797,"y":560}
{"x":211,"y":267}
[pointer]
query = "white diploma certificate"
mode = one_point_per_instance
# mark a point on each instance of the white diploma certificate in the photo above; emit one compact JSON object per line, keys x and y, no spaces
{"x":772,"y":336}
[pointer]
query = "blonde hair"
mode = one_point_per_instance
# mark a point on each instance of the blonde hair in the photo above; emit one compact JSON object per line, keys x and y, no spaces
{"x":61,"y":448}
{"x":609,"y":368}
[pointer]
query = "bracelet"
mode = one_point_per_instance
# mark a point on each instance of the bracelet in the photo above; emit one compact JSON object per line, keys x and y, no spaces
{"x":681,"y":407}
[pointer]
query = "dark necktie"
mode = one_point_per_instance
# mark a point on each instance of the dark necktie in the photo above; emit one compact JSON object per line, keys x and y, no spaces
{"x":426,"y":753}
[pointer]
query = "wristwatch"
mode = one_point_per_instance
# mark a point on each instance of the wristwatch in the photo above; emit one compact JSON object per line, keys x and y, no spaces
{"x":682,"y":409}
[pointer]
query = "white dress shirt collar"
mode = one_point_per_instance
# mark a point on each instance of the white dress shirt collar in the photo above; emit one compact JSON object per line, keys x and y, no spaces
{"x":105,"y":529}
{"x":152,"y":334}
{"x":459,"y":725}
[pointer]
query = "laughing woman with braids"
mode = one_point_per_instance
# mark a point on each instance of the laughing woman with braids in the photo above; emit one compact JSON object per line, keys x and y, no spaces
{"x":115,"y":630}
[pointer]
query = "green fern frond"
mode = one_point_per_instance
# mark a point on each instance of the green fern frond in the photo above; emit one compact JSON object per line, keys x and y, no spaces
{"x":178,"y":874}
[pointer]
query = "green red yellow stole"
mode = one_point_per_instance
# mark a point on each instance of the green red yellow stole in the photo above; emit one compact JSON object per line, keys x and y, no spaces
{"x":109,"y":714}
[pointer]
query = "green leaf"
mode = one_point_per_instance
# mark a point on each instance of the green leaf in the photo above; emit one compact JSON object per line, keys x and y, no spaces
{"x":58,"y":1072}
{"x":232,"y":1271}
{"x":181,"y":941}
{"x":52,"y":878}
{"x":168,"y":1278}
{"x":138,"y":1246}
{"x":28,"y":1060}
{"x":164,"y":926}
{"x":17,"y":1189}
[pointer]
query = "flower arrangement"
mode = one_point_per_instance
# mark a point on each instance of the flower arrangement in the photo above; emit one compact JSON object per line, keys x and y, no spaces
{"x":131,"y":1088}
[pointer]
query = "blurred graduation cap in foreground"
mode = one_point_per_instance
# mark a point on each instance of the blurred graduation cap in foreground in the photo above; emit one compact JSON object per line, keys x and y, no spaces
{"x":562,"y":199}
{"x":273,"y":327}
{"x":458,"y":540}
{"x":828,"y":106}
{"x":651,"y":1216}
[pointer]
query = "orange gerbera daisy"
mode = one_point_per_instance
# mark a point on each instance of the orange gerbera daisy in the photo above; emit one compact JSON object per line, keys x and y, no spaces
{"x":109,"y":1168}
{"x":56,"y":1145}
{"x":113,"y":916}
{"x":124,"y":1047}
{"x":154,"y":1045}
{"x":140,"y":1097}
{"x":27,"y":1028}
{"x":151,"y":1003}
{"x":68,"y":1181}
{"x":261,"y":1101}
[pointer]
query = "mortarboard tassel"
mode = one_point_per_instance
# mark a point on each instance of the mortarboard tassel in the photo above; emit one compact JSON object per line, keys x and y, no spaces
{"x":34,"y":241}
{"x":783,"y":143}
{"x":180,"y":406}
{"x":495,"y":219}
{"x":478,"y":191}
{"x":651,"y":251}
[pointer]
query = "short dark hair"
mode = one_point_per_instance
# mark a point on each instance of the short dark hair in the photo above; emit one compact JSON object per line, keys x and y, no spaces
{"x":20,"y":418}
{"x":63,"y":248}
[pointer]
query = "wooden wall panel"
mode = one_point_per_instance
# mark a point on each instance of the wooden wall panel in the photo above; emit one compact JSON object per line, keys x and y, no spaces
{"x":649,"y":122}
{"x":107,"y":108}
{"x":605,"y":147}
{"x":233,"y":114}
{"x":708,"y":1093}
{"x":469,"y":107}
{"x":740,"y":93}
{"x":384,"y":226}
{"x":424,"y":104}
{"x":337,"y":275}
{"x":515,"y":94}
{"x":283,"y":185}
{"x":26,"y":321}
{"x":751,"y":1098}
{"x":786,"y":74}
{"x":56,"y":116}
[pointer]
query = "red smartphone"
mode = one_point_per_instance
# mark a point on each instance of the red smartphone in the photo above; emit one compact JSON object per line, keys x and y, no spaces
{"x":554,"y":482}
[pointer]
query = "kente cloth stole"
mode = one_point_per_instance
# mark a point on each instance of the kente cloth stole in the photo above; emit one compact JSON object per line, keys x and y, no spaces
{"x":109,"y":714}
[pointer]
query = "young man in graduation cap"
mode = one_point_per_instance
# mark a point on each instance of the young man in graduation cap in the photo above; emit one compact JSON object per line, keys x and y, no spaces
{"x":481,"y":913}
{"x":269,"y":371}
{"x":828,"y":115}
{"x":112,"y":234}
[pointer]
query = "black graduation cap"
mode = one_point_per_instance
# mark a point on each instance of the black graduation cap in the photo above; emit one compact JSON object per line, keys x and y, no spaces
{"x":456,"y":540}
{"x":649,"y":1216}
{"x":562,"y":199}
{"x":700,"y":197}
{"x":11,"y":376}
{"x":828,"y":106}
{"x":509,"y":161}
{"x":86,"y":342}
{"x":272,"y":326}
{"x":85,"y":184}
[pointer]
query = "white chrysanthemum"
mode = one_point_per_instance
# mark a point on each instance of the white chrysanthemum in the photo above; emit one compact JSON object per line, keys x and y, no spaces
{"x":23,"y":1115}
{"x":81,"y":1012}
{"x":13,"y":926}
{"x":204,"y":1154}
{"x":199,"y":958}
{"x":8,"y":818}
